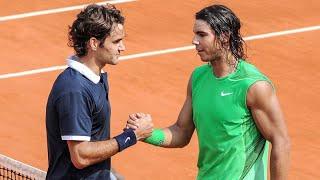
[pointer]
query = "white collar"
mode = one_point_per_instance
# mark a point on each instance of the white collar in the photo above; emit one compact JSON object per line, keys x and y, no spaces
{"x":73,"y":63}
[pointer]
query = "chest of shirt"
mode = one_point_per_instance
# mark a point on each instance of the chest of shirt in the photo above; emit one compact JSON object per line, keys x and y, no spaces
{"x":99,"y":109}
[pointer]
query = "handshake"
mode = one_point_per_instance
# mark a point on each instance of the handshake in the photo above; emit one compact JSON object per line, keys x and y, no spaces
{"x":141,"y":124}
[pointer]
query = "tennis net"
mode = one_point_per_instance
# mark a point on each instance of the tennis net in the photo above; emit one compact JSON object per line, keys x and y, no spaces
{"x":11,"y":169}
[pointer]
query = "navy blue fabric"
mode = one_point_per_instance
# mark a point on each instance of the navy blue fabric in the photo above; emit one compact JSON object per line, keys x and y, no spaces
{"x":76,"y":107}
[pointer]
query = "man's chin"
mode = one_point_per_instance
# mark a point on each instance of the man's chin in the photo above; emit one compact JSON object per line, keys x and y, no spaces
{"x":114,"y":61}
{"x":204,"y":59}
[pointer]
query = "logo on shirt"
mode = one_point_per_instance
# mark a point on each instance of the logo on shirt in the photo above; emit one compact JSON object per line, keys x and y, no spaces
{"x":127,"y":139}
{"x":225,"y":94}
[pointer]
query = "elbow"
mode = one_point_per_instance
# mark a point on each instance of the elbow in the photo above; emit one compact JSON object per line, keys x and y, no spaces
{"x":181,"y":137}
{"x":185,"y":141}
{"x":283,"y":144}
{"x":287,"y":144}
{"x":79,"y":162}
{"x":181,"y":145}
{"x":78,"y":155}
{"x":184,"y":144}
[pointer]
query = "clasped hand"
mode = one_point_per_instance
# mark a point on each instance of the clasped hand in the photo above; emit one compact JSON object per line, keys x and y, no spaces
{"x":141,"y":124}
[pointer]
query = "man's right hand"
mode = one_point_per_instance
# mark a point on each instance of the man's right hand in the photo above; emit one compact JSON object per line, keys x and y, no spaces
{"x":141,"y":124}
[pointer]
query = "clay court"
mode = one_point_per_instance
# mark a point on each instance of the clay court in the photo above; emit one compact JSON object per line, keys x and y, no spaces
{"x":156,"y":83}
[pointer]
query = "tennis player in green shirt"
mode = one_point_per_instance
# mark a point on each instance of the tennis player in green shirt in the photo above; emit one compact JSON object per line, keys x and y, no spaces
{"x":232,"y":106}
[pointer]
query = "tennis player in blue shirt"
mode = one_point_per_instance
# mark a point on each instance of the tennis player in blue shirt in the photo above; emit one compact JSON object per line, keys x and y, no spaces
{"x":78,"y":108}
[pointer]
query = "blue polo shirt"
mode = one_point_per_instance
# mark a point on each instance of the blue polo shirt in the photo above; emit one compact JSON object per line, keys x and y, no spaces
{"x":77,"y":109}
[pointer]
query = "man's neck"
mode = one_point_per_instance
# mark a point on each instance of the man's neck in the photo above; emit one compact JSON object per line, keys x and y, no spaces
{"x":224,"y":66}
{"x":91,"y":64}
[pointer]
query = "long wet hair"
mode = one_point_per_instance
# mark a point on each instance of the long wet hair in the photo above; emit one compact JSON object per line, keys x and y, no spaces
{"x":225,"y":24}
{"x":94,"y":21}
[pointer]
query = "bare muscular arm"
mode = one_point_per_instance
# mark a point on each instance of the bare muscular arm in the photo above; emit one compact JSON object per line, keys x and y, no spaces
{"x":269,"y":119}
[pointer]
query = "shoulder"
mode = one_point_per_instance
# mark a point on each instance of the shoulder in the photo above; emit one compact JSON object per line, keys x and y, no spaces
{"x":69,"y":81}
{"x":259,"y":92}
{"x":249,"y":68}
{"x":201,"y":69}
{"x":199,"y":72}
{"x":249,"y":74}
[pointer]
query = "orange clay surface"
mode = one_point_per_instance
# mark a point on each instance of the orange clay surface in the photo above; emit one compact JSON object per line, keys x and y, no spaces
{"x":157,"y":84}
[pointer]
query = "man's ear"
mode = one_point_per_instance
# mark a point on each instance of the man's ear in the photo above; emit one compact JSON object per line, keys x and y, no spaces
{"x":93,"y":43}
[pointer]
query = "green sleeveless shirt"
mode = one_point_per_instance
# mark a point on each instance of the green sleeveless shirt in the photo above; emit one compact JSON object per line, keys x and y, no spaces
{"x":230,"y":145}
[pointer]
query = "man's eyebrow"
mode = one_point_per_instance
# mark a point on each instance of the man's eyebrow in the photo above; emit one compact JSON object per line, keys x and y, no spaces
{"x":200,"y":32}
{"x":117,"y":39}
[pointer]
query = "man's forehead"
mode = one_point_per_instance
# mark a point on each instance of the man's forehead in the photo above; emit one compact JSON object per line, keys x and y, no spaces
{"x":200,"y":25}
{"x":120,"y":26}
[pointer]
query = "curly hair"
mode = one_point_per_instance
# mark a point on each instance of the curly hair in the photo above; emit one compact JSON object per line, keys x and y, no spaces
{"x":94,"y":21}
{"x":224,"y":23}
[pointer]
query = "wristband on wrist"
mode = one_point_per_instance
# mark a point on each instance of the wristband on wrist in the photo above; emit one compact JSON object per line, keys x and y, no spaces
{"x":126,"y":139}
{"x":157,"y":138}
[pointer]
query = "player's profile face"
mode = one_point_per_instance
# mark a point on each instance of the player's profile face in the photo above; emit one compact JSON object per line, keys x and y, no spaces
{"x":204,"y":40}
{"x":113,"y":45}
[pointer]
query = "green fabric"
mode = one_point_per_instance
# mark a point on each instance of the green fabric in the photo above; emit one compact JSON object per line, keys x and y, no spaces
{"x":229,"y":141}
{"x":259,"y":168}
{"x":157,"y":137}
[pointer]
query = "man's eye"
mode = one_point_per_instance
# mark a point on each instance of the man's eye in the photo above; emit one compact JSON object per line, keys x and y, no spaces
{"x":117,"y":41}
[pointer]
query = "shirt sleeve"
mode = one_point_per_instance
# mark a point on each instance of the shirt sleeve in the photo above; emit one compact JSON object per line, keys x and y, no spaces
{"x":74,"y":116}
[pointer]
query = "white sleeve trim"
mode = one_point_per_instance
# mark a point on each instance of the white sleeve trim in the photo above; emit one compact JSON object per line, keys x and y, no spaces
{"x":76,"y":138}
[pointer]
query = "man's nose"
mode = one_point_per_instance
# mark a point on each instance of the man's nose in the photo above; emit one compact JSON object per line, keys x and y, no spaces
{"x":122,"y":47}
{"x":195,"y":41}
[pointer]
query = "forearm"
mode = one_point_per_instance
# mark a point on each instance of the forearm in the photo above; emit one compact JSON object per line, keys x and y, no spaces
{"x":280,"y":160}
{"x":180,"y":133}
{"x":89,"y":153}
{"x":173,"y":137}
{"x":84,"y":154}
